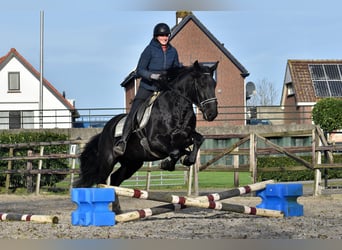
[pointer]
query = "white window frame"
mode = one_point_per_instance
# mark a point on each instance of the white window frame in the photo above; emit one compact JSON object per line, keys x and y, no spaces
{"x":13,"y":86}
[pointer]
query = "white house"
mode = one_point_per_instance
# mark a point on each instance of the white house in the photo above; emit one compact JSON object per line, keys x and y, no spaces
{"x":20,"y":97}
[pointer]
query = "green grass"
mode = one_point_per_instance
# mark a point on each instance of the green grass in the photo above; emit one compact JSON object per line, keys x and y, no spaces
{"x":207,"y":180}
{"x":222,"y":179}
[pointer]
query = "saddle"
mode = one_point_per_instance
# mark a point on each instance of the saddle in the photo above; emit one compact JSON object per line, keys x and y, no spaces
{"x":141,"y":117}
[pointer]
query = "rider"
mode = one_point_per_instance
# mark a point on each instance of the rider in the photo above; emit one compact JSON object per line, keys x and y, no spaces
{"x":157,"y":57}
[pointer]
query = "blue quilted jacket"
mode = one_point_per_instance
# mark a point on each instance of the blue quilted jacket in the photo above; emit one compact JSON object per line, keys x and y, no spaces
{"x":154,"y":60}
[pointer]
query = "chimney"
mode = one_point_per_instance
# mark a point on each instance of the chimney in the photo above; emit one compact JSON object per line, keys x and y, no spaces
{"x":180,"y":14}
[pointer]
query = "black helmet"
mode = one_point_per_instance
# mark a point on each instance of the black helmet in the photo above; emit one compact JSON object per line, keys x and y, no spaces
{"x":161,"y":29}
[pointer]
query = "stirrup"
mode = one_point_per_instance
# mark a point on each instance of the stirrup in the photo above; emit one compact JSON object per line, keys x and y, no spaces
{"x":120,"y":148}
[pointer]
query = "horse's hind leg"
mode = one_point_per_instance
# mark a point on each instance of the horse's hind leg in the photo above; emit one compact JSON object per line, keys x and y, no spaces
{"x":191,"y":158}
{"x":126,"y":170}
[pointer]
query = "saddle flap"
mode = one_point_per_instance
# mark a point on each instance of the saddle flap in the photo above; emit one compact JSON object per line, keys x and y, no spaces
{"x":119,"y":126}
{"x":142,"y":115}
{"x":144,"y":112}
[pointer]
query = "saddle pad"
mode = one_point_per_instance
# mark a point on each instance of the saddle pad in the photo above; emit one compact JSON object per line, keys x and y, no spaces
{"x":145,"y":117}
{"x":119,"y":127}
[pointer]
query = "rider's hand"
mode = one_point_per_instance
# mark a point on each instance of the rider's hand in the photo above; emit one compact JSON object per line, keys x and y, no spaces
{"x":155,"y":76}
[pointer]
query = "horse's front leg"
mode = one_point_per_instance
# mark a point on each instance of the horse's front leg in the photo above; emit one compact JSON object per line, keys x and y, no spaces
{"x":170,"y":163}
{"x":191,"y":158}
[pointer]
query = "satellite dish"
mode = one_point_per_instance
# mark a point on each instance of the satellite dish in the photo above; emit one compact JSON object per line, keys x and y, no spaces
{"x":250,"y":89}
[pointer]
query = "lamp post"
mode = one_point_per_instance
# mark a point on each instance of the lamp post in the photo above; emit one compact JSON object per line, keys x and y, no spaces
{"x":41,"y":69}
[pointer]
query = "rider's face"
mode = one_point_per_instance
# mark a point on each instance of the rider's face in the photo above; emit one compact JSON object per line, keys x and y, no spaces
{"x":163,"y":39}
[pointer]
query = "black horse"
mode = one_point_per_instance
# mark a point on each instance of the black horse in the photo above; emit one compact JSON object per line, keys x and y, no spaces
{"x":168,"y":133}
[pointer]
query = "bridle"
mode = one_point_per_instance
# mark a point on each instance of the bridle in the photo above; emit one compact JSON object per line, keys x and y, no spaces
{"x":205,"y":102}
{"x":201,"y":104}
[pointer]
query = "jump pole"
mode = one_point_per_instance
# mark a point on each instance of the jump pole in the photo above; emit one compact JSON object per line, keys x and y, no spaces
{"x":28,"y":217}
{"x":147,"y":212}
{"x":201,"y":201}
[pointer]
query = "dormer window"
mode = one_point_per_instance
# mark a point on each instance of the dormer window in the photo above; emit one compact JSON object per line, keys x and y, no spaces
{"x":290,"y":90}
{"x":13,"y":81}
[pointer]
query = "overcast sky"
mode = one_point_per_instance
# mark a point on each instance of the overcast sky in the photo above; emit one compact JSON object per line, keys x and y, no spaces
{"x":91,"y":46}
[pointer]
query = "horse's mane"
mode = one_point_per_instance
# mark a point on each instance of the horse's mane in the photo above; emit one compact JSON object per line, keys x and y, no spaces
{"x":177,"y":72}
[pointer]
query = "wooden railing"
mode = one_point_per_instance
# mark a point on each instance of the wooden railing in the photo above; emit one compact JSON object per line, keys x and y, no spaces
{"x":30,"y":171}
{"x":318,"y":146}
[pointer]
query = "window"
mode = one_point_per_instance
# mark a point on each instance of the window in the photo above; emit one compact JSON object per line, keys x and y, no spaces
{"x":290,"y":90}
{"x":13,"y":81}
{"x":327,"y":79}
{"x":14,"y":119}
{"x":3,"y":119}
{"x":28,"y":119}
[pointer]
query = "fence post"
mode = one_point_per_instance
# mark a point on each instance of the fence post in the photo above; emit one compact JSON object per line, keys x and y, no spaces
{"x":190,"y":175}
{"x":236,"y":166}
{"x":72,"y":151}
{"x":29,"y":181}
{"x":252,"y":157}
{"x":9,"y":167}
{"x":40,"y":165}
{"x":196,"y":170}
{"x":318,"y":177}
{"x":148,"y":176}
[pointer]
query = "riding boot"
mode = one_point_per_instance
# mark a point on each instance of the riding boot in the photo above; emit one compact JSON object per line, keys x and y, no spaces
{"x":139,"y":99}
{"x":120,"y":147}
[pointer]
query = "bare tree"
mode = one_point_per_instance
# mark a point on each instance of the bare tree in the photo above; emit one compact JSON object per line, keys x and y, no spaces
{"x":266,"y":94}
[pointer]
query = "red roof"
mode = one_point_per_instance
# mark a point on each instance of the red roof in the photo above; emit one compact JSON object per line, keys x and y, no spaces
{"x":14,"y":53}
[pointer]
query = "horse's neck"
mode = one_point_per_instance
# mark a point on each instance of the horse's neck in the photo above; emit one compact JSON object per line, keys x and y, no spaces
{"x":183,"y":88}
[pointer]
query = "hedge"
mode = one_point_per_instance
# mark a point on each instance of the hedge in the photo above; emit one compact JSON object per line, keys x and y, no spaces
{"x":303,"y":175}
{"x":19,"y":180}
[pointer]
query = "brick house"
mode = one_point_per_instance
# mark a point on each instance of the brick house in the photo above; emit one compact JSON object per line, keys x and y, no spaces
{"x":306,"y":82}
{"x":195,"y":42}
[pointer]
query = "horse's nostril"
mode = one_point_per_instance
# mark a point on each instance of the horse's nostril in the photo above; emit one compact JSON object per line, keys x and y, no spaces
{"x":210,"y":115}
{"x":213,"y":115}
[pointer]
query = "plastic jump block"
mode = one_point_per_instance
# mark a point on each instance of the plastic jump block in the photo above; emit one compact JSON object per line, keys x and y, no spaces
{"x":92,"y":207}
{"x":282,"y":197}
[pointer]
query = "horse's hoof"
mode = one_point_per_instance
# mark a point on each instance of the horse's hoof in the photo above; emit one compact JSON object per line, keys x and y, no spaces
{"x":165,"y":165}
{"x":117,"y":211}
{"x":187,"y":162}
{"x":116,"y":208}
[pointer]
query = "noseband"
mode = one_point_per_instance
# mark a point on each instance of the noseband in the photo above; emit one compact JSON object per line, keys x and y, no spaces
{"x":205,"y":102}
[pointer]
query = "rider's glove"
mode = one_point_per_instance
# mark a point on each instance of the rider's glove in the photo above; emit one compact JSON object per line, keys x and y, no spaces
{"x":155,"y":76}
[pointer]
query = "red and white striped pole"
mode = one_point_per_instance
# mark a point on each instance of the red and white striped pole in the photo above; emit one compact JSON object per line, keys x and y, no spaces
{"x":148,"y":212}
{"x":202,"y":201}
{"x":28,"y":217}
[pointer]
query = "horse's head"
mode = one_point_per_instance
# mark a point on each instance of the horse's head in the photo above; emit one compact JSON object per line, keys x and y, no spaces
{"x":204,"y":90}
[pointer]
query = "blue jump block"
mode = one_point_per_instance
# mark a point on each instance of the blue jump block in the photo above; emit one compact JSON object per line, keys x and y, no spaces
{"x":282,"y":197}
{"x":92,"y":207}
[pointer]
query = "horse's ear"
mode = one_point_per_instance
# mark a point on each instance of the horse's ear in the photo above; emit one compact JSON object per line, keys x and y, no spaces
{"x":214,"y":67}
{"x":197,"y":65}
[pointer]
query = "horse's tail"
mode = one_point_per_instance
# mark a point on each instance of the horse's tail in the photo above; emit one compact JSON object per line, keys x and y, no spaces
{"x":88,"y":164}
{"x":96,"y":160}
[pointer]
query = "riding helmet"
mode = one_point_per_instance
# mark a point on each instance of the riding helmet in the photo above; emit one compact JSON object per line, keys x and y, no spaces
{"x":161,"y":29}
